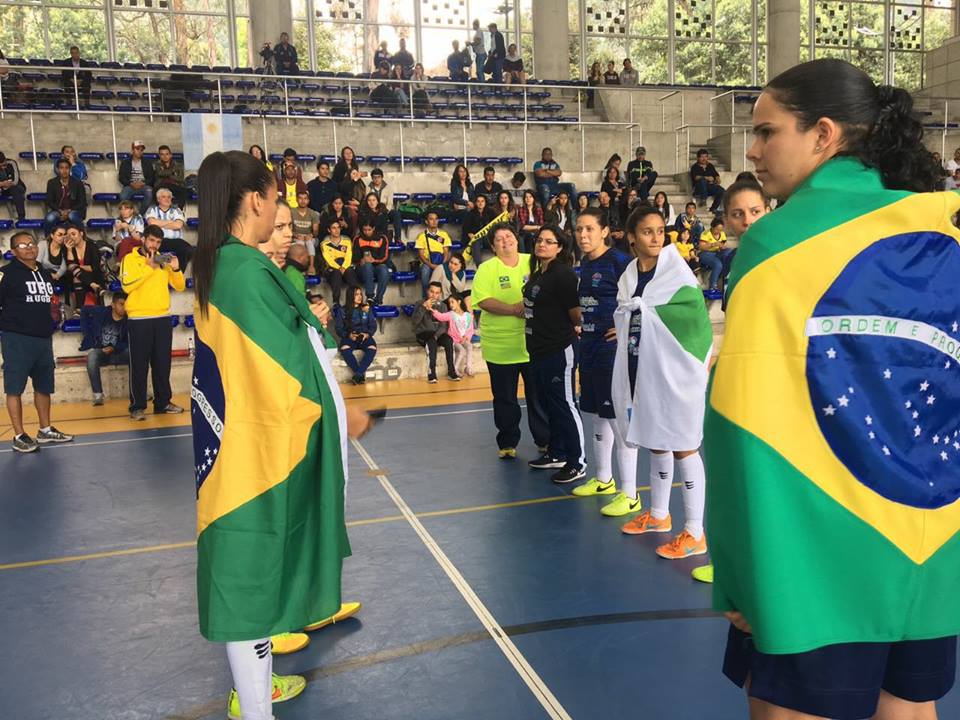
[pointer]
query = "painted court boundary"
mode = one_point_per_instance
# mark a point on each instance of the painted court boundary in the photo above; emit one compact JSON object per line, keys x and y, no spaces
{"x":536,"y":684}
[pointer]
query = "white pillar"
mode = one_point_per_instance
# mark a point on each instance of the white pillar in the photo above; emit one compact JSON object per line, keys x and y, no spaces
{"x":267,"y":21}
{"x":784,"y":46}
{"x":551,"y":39}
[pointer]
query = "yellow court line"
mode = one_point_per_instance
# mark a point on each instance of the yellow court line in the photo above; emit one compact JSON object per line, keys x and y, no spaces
{"x":353,"y":523}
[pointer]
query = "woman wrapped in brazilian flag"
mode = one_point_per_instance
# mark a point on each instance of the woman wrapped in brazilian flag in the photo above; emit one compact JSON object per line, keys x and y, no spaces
{"x":270,"y":433}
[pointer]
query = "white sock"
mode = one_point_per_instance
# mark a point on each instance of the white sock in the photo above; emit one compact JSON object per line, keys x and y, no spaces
{"x":661,"y":478}
{"x":251,"y":662}
{"x":626,"y":461}
{"x":45,"y":429}
{"x":603,"y":448}
{"x":694,"y":479}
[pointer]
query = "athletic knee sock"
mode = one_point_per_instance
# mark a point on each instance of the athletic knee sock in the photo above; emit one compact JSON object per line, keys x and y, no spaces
{"x":603,"y":448}
{"x":661,"y":478}
{"x":626,"y":461}
{"x":694,"y":479}
{"x":251,"y":662}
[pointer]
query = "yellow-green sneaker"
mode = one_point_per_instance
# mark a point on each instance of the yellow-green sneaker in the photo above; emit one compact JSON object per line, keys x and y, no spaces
{"x":594,"y":487}
{"x":285,"y":687}
{"x":347,"y":610}
{"x":622,"y":505}
{"x":704,"y":573}
{"x":507,"y":453}
{"x":286,"y":643}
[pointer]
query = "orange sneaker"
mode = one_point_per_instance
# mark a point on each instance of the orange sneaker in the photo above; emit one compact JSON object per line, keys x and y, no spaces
{"x":645,"y":522}
{"x":682,"y":546}
{"x":347,"y":610}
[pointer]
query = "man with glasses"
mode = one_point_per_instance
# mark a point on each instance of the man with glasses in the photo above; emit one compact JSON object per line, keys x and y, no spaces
{"x":26,"y":330}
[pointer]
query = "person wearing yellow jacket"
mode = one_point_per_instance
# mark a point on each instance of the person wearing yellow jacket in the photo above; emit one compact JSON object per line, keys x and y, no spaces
{"x":147,"y":276}
{"x":337,"y":253}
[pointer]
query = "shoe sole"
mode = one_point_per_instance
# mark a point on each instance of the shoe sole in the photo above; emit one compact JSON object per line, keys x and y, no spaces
{"x":51,"y":441}
{"x":27,"y":450}
{"x":594,"y":494}
{"x":682,"y":557}
{"x":625,"y":531}
{"x":550,"y":466}
{"x":581,"y":476}
{"x":340,"y":616}
{"x":607,"y":513}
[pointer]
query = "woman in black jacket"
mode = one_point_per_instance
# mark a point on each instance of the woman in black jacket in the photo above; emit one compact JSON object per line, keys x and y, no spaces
{"x":479,"y":216}
{"x":84,"y":271}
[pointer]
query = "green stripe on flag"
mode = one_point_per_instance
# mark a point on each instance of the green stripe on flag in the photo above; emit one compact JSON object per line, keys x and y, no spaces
{"x":684,"y":317}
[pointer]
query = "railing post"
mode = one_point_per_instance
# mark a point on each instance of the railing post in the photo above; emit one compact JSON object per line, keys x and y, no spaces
{"x":149,"y":98}
{"x":33,"y":143}
{"x":1,"y":96}
{"x":469,"y":106}
{"x":113,"y":134}
{"x":744,"y":150}
{"x":583,"y":151}
{"x":286,"y":101}
{"x":401,"y":146}
{"x":76,"y":96}
{"x":410,"y":98}
{"x":464,"y":127}
{"x":350,"y":101}
{"x":219,"y":95}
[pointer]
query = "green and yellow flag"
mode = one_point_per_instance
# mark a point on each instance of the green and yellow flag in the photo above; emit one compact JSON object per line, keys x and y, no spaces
{"x":833,"y":423}
{"x":269,"y":448}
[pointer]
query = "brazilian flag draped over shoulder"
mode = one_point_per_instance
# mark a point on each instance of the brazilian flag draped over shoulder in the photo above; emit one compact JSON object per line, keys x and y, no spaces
{"x":270,"y":449}
{"x":833,"y":426}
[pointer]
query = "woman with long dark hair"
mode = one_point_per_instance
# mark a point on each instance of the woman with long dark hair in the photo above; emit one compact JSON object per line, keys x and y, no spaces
{"x":356,"y":327}
{"x":829,"y":561}
{"x":529,"y":219}
{"x":259,"y":153}
{"x":270,"y":430}
{"x":662,"y":203}
{"x":345,"y":163}
{"x":552,"y":313}
{"x":461,"y":194}
{"x":479,"y":216}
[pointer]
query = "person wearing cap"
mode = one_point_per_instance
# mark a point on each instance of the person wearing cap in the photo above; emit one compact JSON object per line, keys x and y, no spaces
{"x":640,"y":174}
{"x":136,"y":176}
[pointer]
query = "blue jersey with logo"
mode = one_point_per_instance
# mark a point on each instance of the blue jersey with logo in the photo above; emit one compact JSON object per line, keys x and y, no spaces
{"x":598,"y":300}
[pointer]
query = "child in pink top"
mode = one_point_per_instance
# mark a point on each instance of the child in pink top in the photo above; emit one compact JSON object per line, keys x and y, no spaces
{"x":460,"y":329}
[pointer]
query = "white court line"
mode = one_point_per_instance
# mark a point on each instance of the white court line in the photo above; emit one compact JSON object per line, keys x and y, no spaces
{"x":431,"y":414}
{"x":527,"y":673}
{"x":62,"y":446}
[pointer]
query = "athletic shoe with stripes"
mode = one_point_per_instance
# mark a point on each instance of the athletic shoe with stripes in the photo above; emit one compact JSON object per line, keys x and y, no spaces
{"x":593,"y":486}
{"x":52,"y":435}
{"x":682,"y":546}
{"x":285,"y":687}
{"x":568,"y":474}
{"x":546,"y":462}
{"x":621,"y":505}
{"x":645,"y":522}
{"x":704,"y":573}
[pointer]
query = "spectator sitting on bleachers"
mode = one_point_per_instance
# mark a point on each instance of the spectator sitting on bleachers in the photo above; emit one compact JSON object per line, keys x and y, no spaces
{"x":26,"y":330}
{"x":322,"y":189}
{"x":480,"y":215}
{"x":378,"y":186}
{"x":516,"y":188}
{"x":452,"y":276}
{"x":345,"y":163}
{"x":291,"y":186}
{"x":66,"y":199}
{"x":403,"y":59}
{"x":382,"y":94}
{"x":611,"y":76}
{"x":289,"y":157}
{"x":421,"y":100}
{"x":306,"y":228}
{"x":505,"y":204}
{"x":952,"y":182}
{"x":73,"y":74}
{"x":714,"y":255}
{"x":611,"y":214}
{"x":433,"y":248}
{"x":640,"y":173}
{"x":612,"y":185}
{"x":663,"y":206}
{"x":628,"y":204}
{"x":336,"y":210}
{"x":260,"y":155}
{"x":690,"y":221}
{"x":560,"y":213}
{"x":127,"y":230}
{"x":171,"y":220}
{"x":629,"y":75}
{"x":136,"y":176}
{"x":514,"y":73}
{"x":356,"y":326}
{"x":281,"y":239}
{"x":461,"y":193}
{"x":337,"y":253}
{"x":168,"y":173}
{"x":399,"y":88}
{"x":373,"y":213}
{"x":83,"y":280}
{"x":147,"y":275}
{"x":489,"y":188}
{"x":353,"y":190}
{"x":11,"y":186}
{"x":954,"y":163}
{"x":529,"y":219}
{"x":77,"y":167}
{"x":104,"y":339}
{"x":706,"y":180}
{"x":458,"y":63}
{"x":546,"y":176}
{"x":296,"y":267}
{"x":371,"y":251}
{"x":583,"y":202}
{"x":50,"y":252}
{"x":686,"y":248}
{"x":285,"y":57}
{"x":381,"y":56}
{"x":460,"y":328}
{"x":431,"y":332}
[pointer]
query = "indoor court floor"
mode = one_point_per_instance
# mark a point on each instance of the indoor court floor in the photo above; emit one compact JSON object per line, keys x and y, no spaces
{"x":487,"y":591}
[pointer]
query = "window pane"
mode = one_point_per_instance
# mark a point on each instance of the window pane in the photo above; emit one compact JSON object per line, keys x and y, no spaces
{"x":906,"y":28}
{"x":77,"y":3}
{"x":734,"y":20}
{"x":394,"y":12}
{"x":573,"y":17}
{"x":734,"y":64}
{"x":604,"y":49}
{"x":649,"y":57}
{"x":648,"y":17}
{"x":214,"y":6}
{"x":202,"y":39}
{"x":574,"y":51}
{"x":299,"y":9}
{"x":493,"y":11}
{"x":390,"y":34}
{"x":142,"y":36}
{"x":693,"y":22}
{"x":693,"y":64}
{"x":526,"y":52}
{"x":241,"y":7}
{"x":762,"y":63}
{"x":606,"y":17}
{"x":937,"y":27}
{"x":906,"y":70}
{"x":762,"y":20}
{"x":444,"y":13}
{"x":832,"y":27}
{"x":83,"y":28}
{"x":244,"y":51}
{"x":299,"y":41}
{"x":22,"y":28}
{"x":437,"y":45}
{"x":339,"y":46}
{"x":871,"y":62}
{"x":866,"y":27}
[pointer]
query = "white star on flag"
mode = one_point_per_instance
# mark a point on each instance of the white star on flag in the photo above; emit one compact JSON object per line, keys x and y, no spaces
{"x":944,"y":456}
{"x":872,"y":435}
{"x":936,"y":439}
{"x":886,"y":450}
{"x":908,"y":404}
{"x":931,"y":399}
{"x":206,"y":452}
{"x":915,"y":415}
{"x":829,"y":410}
{"x":887,"y":374}
{"x":955,"y":326}
{"x":216,"y":450}
{"x":843,"y":401}
{"x":195,"y":380}
{"x":956,"y":446}
{"x":831,"y":353}
{"x":916,"y":431}
{"x":946,"y":365}
{"x":868,"y":420}
{"x":924,"y":385}
{"x":851,"y":391}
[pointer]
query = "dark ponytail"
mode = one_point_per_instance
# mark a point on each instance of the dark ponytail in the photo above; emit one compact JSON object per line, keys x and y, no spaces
{"x":879,"y":125}
{"x":222,"y":181}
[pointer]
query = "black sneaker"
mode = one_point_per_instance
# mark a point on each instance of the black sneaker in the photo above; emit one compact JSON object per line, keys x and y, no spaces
{"x":52,"y":435}
{"x":432,"y":379}
{"x":568,"y":474}
{"x":24,"y":444}
{"x":455,"y":378}
{"x":546,"y":462}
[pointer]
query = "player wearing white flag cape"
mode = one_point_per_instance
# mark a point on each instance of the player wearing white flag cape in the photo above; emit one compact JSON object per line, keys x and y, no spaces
{"x":664,"y":340}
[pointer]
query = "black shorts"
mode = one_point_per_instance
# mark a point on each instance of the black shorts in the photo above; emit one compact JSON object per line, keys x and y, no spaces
{"x":595,"y":391}
{"x":26,"y":356}
{"x":843,"y":681}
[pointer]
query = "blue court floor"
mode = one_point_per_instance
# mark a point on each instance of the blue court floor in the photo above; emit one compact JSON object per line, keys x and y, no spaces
{"x":98,"y":608}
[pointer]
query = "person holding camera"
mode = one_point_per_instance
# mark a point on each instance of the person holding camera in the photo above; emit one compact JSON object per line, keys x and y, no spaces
{"x":147,"y":276}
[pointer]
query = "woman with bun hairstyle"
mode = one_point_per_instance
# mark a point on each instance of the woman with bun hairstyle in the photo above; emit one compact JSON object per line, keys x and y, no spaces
{"x":834,"y":525}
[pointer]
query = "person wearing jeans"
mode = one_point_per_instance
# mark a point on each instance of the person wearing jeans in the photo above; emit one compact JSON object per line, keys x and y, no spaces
{"x":479,"y":50}
{"x":356,"y":327}
{"x":715,"y":256}
{"x":546,"y":176}
{"x":104,"y":339}
{"x":11,"y":186}
{"x":136,"y":176}
{"x":433,"y":249}
{"x":706,"y":180}
{"x":66,"y":198}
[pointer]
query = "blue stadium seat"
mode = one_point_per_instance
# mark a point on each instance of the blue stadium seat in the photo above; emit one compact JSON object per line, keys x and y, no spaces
{"x":174,"y":320}
{"x":28,"y":155}
{"x":6,"y":225}
{"x":470,"y":273}
{"x":378,"y":159}
{"x":193,"y":222}
{"x":424,"y":160}
{"x":401,"y":197}
{"x":91,"y":156}
{"x":115,"y":286}
{"x":312,"y":280}
{"x":100,"y":223}
{"x":386,"y":311}
{"x":396,"y":159}
{"x":29,"y":224}
{"x":36,"y":197}
{"x":8,"y":255}
{"x":118,"y":156}
{"x":424,"y":197}
{"x":408,"y":309}
{"x":188,"y":321}
{"x":490,"y":160}
{"x":71,"y":326}
{"x":445,"y":197}
{"x":106,"y":197}
{"x":402,"y":276}
{"x":188,"y":283}
{"x":447,"y":159}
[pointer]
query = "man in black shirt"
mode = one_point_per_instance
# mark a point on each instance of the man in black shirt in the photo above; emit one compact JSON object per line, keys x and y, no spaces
{"x":66,"y":199}
{"x":73,"y":73}
{"x":498,"y":52}
{"x":322,"y":189}
{"x":706,"y":180}
{"x":26,"y":329}
{"x":285,"y":56}
{"x":611,"y":76}
{"x":404,"y":59}
{"x":11,"y":186}
{"x":640,"y":174}
{"x":489,"y":188}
